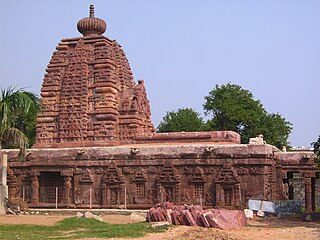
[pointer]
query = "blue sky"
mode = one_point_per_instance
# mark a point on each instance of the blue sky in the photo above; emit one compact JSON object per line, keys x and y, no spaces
{"x":182,"y":49}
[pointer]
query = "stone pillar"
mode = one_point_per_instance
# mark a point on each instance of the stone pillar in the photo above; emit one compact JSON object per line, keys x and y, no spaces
{"x":308,"y":194}
{"x":104,"y":194}
{"x":218,"y":195}
{"x":237,"y":193}
{"x":3,"y":183}
{"x":121,"y":194}
{"x":67,"y":185}
{"x":12,"y":184}
{"x":178,"y":193}
{"x":35,"y":187}
{"x":277,"y":194}
{"x":67,"y":190}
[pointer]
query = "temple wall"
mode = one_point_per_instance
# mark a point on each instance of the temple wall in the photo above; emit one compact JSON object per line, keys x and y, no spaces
{"x":138,"y":176}
{"x":210,"y":174}
{"x":301,"y":175}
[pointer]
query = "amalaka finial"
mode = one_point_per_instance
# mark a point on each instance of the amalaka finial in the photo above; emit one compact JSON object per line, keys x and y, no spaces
{"x":91,"y":13}
{"x":91,"y":25}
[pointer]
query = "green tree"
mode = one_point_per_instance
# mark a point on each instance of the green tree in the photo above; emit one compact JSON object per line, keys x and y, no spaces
{"x":316,"y":150}
{"x":276,"y":130}
{"x":18,"y":112}
{"x":234,"y":108}
{"x":182,"y":120}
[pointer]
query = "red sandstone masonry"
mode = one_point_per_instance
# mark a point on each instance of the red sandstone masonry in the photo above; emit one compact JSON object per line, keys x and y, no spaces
{"x":213,"y":136}
{"x":195,"y":216}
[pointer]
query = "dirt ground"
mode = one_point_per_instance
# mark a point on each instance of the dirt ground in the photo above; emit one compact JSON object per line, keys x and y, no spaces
{"x":269,"y":228}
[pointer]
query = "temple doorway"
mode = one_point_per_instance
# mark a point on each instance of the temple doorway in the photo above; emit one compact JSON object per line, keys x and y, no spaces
{"x":50,"y":187}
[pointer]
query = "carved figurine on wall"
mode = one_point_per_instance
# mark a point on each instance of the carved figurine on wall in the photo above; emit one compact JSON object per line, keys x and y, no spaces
{"x":285,"y":188}
{"x":67,"y":189}
{"x":97,"y":195}
{"x":150,"y":197}
{"x":162,"y":195}
{"x":209,"y":198}
{"x":35,"y":189}
{"x":77,"y":196}
{"x":185,"y":197}
{"x":268,"y":191}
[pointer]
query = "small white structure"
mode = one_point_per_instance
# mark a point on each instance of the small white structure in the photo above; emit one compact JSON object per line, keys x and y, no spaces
{"x":257,"y":140}
{"x":248,"y":213}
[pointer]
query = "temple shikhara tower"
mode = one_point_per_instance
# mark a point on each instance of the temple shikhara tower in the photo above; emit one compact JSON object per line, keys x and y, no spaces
{"x":88,"y":94}
{"x":96,"y":145}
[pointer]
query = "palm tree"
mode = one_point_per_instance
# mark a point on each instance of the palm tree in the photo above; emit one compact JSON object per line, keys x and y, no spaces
{"x":18,"y":110}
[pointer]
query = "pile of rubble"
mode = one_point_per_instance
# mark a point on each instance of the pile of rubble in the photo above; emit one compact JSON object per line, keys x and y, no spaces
{"x":15,"y":206}
{"x":89,"y":215}
{"x":193,"y":215}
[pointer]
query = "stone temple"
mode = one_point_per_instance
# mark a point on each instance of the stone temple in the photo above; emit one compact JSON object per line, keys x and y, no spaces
{"x":96,"y":145}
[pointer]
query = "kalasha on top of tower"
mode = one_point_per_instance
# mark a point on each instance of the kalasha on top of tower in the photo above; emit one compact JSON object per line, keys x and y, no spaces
{"x":91,"y":25}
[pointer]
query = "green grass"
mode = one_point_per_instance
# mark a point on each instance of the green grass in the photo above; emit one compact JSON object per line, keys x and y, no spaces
{"x":75,"y":228}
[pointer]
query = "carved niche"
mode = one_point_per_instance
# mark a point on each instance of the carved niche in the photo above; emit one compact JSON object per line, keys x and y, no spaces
{"x":227,"y":175}
{"x":227,"y":185}
{"x":168,"y":188}
{"x":12,"y":184}
{"x":198,"y":179}
{"x":270,"y":184}
{"x":198,"y":176}
{"x":86,"y":176}
{"x":169,"y":174}
{"x":113,"y":175}
{"x":139,"y":176}
{"x":113,"y":186}
{"x":139,"y":179}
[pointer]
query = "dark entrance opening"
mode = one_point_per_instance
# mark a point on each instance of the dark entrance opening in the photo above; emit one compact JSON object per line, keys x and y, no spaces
{"x":292,"y":178}
{"x":51,"y":187}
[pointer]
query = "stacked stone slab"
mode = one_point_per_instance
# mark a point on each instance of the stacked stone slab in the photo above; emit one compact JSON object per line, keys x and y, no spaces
{"x":193,"y":215}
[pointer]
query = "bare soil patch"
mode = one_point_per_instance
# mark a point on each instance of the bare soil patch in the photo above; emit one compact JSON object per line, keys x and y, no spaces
{"x":44,"y":220}
{"x":50,"y":220}
{"x":263,"y":229}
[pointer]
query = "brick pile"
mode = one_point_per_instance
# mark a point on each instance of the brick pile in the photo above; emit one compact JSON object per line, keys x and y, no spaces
{"x":193,"y":215}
